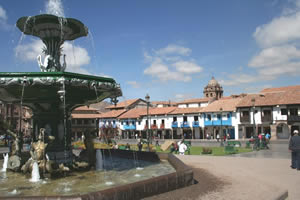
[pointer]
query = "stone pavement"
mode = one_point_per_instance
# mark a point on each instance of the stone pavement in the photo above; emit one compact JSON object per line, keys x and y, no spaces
{"x":250,"y":178}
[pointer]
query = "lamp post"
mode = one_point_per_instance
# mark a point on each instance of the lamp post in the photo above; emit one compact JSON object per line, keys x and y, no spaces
{"x":147,"y":97}
{"x":221,"y":129}
{"x":253,"y":108}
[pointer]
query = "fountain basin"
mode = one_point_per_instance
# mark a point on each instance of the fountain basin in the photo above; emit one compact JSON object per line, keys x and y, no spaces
{"x":165,"y":173}
{"x":43,"y":87}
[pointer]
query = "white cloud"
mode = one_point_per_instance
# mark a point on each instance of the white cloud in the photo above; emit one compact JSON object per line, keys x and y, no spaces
{"x":187,"y":67}
{"x":76,"y":56}
{"x":279,"y":31}
{"x":274,"y":56}
{"x":3,"y":15}
{"x":174,"y":49}
{"x":243,"y":78}
{"x":171,"y":63}
{"x":180,"y":97}
{"x":159,"y":70}
{"x":134,"y":84}
{"x":3,"y":19}
{"x":279,"y":54}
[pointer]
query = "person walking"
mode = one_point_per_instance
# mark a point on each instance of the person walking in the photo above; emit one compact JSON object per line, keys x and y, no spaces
{"x":218,"y":137}
{"x":294,"y":147}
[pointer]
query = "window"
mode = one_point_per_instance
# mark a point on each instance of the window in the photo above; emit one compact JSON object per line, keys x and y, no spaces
{"x":266,"y":112}
{"x":163,"y":121}
{"x":127,"y":123}
{"x":139,"y":122}
{"x":283,"y":111}
{"x":293,"y":111}
{"x":185,"y":118}
{"x":154,"y":121}
{"x":245,"y":113}
{"x":219,"y":116}
{"x":228,"y":115}
{"x":79,"y":121}
{"x":174,"y":119}
{"x":195,"y":118}
{"x":209,"y":117}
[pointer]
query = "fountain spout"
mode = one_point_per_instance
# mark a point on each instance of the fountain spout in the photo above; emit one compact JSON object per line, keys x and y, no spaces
{"x":35,"y":173}
{"x":5,"y":162}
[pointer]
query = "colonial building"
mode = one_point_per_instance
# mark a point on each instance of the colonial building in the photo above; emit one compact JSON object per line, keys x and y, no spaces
{"x":16,"y":119}
{"x":84,"y":119}
{"x":273,"y":110}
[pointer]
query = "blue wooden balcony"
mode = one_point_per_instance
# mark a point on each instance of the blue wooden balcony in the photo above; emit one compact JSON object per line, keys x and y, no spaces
{"x":185,"y":125}
{"x":175,"y":124}
{"x":129,"y":127}
{"x":218,"y":121}
{"x":196,"y":124}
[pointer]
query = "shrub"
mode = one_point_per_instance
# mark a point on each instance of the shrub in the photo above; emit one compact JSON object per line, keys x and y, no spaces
{"x":206,"y":150}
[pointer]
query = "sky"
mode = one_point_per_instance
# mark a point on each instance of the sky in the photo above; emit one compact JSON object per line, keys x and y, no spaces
{"x":168,"y":49}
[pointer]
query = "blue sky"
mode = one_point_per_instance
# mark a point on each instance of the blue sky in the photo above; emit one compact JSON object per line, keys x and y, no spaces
{"x":169,"y":49}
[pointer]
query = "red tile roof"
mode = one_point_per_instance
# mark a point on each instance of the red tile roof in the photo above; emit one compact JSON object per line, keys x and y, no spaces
{"x":226,"y":104}
{"x":161,"y":110}
{"x":85,"y":116}
{"x":199,"y":100}
{"x":271,"y":99}
{"x":112,"y":114}
{"x":186,"y":110}
{"x":282,"y":89}
{"x":123,"y":104}
{"x":85,"y":108}
{"x":133,"y":113}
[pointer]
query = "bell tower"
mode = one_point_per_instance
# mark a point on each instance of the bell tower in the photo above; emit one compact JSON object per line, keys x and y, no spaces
{"x":213,"y":89}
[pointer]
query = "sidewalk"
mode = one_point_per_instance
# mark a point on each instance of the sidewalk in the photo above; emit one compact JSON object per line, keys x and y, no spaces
{"x":250,"y":178}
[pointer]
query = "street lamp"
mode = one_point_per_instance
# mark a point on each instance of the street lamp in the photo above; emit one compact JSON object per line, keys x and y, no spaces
{"x":253,"y":107}
{"x":147,"y":97}
{"x":221,"y":129}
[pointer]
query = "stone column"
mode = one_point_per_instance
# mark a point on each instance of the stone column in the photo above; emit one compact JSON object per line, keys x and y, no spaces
{"x":273,"y":132}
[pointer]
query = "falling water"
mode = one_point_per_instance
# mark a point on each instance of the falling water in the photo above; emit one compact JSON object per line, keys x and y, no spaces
{"x":55,"y":7}
{"x":99,"y":160}
{"x":91,"y":38}
{"x":22,"y":37}
{"x":35,"y":174}
{"x":65,"y":119}
{"x":24,"y":82}
{"x":4,"y":167}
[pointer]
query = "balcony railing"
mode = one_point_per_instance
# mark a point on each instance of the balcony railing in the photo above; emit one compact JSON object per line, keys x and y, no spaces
{"x":175,"y":124}
{"x":266,"y":118}
{"x":196,"y":124}
{"x":245,"y":118}
{"x":185,"y":124}
{"x":293,"y":118}
{"x":153,"y":126}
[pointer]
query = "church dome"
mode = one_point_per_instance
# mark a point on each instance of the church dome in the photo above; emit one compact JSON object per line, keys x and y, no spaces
{"x":213,"y":82}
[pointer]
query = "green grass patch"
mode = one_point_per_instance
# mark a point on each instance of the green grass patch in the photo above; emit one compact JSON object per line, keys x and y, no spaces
{"x":216,"y":151}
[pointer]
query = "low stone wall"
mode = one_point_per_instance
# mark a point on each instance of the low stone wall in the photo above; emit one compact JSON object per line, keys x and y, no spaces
{"x":181,"y":178}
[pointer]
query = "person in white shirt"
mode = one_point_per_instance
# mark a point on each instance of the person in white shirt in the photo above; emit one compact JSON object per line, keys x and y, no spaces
{"x":182,"y":148}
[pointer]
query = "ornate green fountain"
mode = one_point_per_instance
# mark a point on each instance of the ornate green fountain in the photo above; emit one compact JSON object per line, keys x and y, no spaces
{"x":53,"y":93}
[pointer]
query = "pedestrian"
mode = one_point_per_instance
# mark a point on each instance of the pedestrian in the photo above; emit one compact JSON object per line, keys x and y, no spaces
{"x":268,"y":136}
{"x":294,"y":147}
{"x":228,"y":136}
{"x":140,"y":146}
{"x":182,"y":148}
{"x":127,"y":147}
{"x":218,"y":137}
